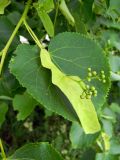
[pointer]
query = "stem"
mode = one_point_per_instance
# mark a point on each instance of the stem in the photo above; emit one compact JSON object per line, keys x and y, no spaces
{"x":4,"y":51}
{"x":56,"y":14}
{"x":1,"y":53}
{"x":6,"y":98}
{"x":33,"y":35}
{"x":107,"y":117}
{"x":2,"y":151}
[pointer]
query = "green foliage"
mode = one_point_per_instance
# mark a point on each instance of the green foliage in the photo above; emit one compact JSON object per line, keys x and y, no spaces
{"x":36,"y":151}
{"x":42,"y":8}
{"x":54,"y":90}
{"x":46,"y":5}
{"x":5,"y":27}
{"x":65,"y":11}
{"x":105,"y":156}
{"x":73,"y":87}
{"x":3,"y":5}
{"x":3,"y":111}
{"x":38,"y":81}
{"x":77,"y":54}
{"x":79,"y":139}
{"x":24,"y":104}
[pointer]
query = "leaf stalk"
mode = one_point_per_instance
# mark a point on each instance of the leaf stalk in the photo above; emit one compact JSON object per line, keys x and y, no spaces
{"x":4,"y":51}
{"x":2,"y":151}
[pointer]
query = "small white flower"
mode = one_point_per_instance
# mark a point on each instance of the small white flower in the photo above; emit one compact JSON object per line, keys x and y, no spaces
{"x":47,"y":37}
{"x":44,"y":44}
{"x":23,"y":40}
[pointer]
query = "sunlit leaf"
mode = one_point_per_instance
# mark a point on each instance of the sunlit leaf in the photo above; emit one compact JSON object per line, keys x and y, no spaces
{"x":73,"y":87}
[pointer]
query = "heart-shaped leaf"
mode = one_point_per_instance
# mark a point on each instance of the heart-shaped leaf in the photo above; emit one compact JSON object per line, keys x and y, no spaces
{"x":74,"y":53}
{"x":36,"y":151}
{"x":73,"y":87}
{"x":26,"y":66}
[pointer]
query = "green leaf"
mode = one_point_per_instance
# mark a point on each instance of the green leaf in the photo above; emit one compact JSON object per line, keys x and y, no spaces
{"x":72,"y":87}
{"x":36,"y":151}
{"x":100,"y":7}
{"x":115,"y":63}
{"x":14,"y":17}
{"x":20,"y":159}
{"x":87,"y":15}
{"x":65,"y":11}
{"x":106,"y":140}
{"x":82,"y":13}
{"x":74,"y":54}
{"x":115,"y":108}
{"x":47,"y":5}
{"x":8,"y":84}
{"x":110,"y":114}
{"x":88,"y":154}
{"x":114,"y":9}
{"x":115,"y":147}
{"x":3,"y":111}
{"x":24,"y":104}
{"x":105,"y":156}
{"x":47,"y":23}
{"x":6,"y":29}
{"x":3,"y":5}
{"x":26,"y":66}
{"x":77,"y":13}
{"x":115,"y":76}
{"x":108,"y":127}
{"x":79,"y":139}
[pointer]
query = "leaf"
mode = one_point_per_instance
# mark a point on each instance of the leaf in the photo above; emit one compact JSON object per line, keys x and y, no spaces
{"x":87,"y":5}
{"x":36,"y":151}
{"x":88,"y":154}
{"x":105,"y":156}
{"x":47,"y":23}
{"x":65,"y":11}
{"x":6,"y":29}
{"x":46,"y":5}
{"x":26,"y":66}
{"x":106,"y":140}
{"x":72,"y":87}
{"x":24,"y":104}
{"x":8,"y":84}
{"x":110,"y":114}
{"x":3,"y":111}
{"x":114,"y":63}
{"x":79,"y":139}
{"x":74,"y":53}
{"x":108,"y":127}
{"x":20,"y":159}
{"x":111,"y":37}
{"x":100,"y":7}
{"x":115,"y":147}
{"x":14,"y":17}
{"x":75,"y":7}
{"x":115,"y":76}
{"x":115,"y":108}
{"x":114,"y":9}
{"x":81,"y":17}
{"x":3,"y":5}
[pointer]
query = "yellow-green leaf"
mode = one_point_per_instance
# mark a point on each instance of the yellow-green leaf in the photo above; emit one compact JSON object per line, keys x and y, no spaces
{"x":65,"y":11}
{"x":72,"y":87}
{"x":3,"y":5}
{"x":47,"y":23}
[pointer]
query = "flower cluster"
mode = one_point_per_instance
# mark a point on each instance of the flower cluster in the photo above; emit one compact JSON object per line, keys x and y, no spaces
{"x":93,"y":74}
{"x":88,"y":92}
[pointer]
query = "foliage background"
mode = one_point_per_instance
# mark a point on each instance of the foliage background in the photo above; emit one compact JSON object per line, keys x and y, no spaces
{"x":98,"y":19}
